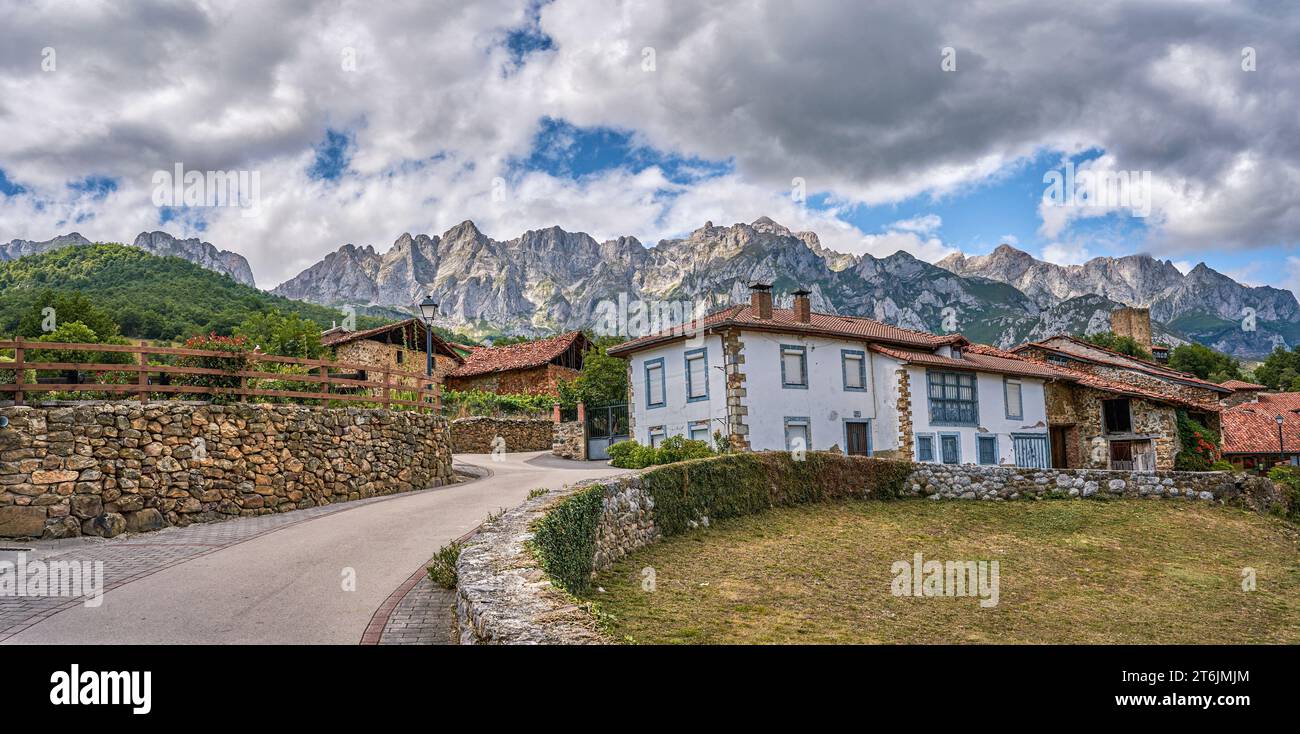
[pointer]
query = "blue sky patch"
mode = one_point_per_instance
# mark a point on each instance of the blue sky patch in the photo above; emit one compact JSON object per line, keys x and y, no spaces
{"x":332,"y":156}
{"x":8,"y":187}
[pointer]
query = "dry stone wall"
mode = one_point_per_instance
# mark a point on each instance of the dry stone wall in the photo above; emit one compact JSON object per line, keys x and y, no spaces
{"x":101,"y":469}
{"x":569,"y":441}
{"x":477,"y":435}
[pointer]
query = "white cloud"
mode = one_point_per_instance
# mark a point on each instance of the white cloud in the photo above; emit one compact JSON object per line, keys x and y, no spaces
{"x":1065,"y":254}
{"x":437,"y":110}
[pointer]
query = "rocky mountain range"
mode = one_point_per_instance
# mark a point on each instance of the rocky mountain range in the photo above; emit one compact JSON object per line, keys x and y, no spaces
{"x":549,"y":279}
{"x":204,"y":254}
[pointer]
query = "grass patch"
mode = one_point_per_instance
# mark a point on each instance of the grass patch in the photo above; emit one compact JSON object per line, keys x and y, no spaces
{"x":442,"y":570}
{"x":1076,"y":571}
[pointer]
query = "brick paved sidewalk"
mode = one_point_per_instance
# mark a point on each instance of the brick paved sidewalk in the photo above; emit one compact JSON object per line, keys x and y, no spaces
{"x":128,"y":558}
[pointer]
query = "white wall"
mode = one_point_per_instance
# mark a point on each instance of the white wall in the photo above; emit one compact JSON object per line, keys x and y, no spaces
{"x":677,"y":414}
{"x":825,"y":402}
{"x":992,"y":414}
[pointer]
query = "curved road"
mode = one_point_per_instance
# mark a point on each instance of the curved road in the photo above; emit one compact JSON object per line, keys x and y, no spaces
{"x":286,"y":584}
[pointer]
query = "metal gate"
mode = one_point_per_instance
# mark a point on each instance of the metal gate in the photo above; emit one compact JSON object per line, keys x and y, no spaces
{"x":606,"y":426}
{"x":1031,"y":450}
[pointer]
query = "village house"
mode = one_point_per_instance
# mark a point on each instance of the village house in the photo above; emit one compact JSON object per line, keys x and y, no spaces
{"x":1263,"y":430}
{"x":783,"y":379}
{"x":534,"y":368}
{"x":398,"y":346}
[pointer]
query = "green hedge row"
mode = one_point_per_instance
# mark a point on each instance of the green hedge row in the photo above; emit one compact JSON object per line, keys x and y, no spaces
{"x":718,"y":487}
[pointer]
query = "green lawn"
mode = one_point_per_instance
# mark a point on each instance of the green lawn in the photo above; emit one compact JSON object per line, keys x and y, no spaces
{"x":1071,"y":571}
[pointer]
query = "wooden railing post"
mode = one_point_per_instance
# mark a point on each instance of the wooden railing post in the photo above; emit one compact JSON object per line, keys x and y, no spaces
{"x":18,"y":370}
{"x":388,"y":378}
{"x":324,"y":386}
{"x":142,"y":377}
{"x":437,"y":397}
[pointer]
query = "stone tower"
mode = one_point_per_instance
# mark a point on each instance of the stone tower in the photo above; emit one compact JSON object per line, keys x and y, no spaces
{"x":1134,"y":322}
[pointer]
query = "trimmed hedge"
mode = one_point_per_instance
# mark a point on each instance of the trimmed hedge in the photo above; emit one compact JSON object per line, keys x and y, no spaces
{"x":716,"y":488}
{"x":564,"y":539}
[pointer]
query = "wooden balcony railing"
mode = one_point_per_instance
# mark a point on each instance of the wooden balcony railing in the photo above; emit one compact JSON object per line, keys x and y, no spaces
{"x":335,"y":382}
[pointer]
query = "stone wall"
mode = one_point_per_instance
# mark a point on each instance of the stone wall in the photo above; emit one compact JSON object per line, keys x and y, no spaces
{"x":569,"y":440}
{"x":541,"y":380}
{"x":476,"y":435}
{"x":963,"y":481}
{"x":104,"y":468}
{"x":1080,"y":408}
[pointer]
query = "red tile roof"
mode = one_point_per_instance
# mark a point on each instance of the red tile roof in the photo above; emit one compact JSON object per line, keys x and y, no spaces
{"x":1251,"y":428}
{"x":976,"y":357}
{"x":336,"y":336}
{"x":524,"y":355}
{"x":784,"y":320}
{"x":1242,"y":385}
{"x":1122,"y":361}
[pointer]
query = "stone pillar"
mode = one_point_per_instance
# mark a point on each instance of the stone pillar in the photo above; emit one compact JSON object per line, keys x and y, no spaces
{"x":734,"y":360}
{"x":582,"y":412}
{"x":904,"y":415}
{"x":555,"y":413}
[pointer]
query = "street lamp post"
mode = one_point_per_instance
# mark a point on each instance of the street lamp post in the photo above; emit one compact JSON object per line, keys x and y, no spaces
{"x":429,"y":311}
{"x":1281,"y":452}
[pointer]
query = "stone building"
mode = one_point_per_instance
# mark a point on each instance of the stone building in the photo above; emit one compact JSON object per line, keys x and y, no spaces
{"x":1132,"y":322}
{"x":1118,"y":411}
{"x":533,"y":368}
{"x":1252,"y":438}
{"x":398,"y":346}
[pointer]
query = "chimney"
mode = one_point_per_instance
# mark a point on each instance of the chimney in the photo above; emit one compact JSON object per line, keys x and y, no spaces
{"x":802,"y":307}
{"x":760,"y":300}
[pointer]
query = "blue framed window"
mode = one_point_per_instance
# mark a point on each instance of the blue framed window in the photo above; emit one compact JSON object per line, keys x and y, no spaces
{"x":699,"y":431}
{"x":950,"y":448}
{"x":853,"y":366}
{"x":1013,"y":396}
{"x":794,"y":367}
{"x":798,"y":429}
{"x":987,"y":449}
{"x":697,"y":375}
{"x":925,"y":447}
{"x":656,"y":389}
{"x":953,"y":399}
{"x":657,"y":435}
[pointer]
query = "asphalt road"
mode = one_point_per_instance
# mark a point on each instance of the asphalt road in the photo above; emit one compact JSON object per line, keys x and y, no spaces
{"x":287,"y":585}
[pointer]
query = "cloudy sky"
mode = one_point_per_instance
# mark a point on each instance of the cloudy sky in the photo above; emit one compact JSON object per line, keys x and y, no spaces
{"x":881,"y":126}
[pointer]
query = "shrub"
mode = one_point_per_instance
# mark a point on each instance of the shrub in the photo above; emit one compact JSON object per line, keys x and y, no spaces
{"x":1288,"y":478}
{"x":239,"y":349}
{"x":632,"y":455}
{"x":1200,"y":445}
{"x":1222,"y":465}
{"x":690,"y":493}
{"x":564,"y":539}
{"x":8,"y":377}
{"x":442,"y":570}
{"x":465,"y":403}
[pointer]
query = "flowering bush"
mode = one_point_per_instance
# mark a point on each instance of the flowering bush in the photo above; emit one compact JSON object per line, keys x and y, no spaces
{"x":1200,"y":445}
{"x":239,"y":349}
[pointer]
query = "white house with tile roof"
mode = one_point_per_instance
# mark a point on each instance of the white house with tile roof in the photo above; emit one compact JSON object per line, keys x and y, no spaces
{"x":780,"y":379}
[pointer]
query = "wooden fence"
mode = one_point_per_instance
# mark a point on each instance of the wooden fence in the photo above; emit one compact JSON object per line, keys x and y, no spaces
{"x":342,"y":382}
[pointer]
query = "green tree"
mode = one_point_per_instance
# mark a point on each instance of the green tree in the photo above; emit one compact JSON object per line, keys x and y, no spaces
{"x":286,"y":336}
{"x":603,"y":380}
{"x":68,"y":306}
{"x":1205,"y":363}
{"x":1281,"y":370}
{"x":1122,"y":344}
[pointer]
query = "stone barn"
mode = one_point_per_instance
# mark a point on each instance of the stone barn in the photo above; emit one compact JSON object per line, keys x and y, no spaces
{"x":534,"y":368}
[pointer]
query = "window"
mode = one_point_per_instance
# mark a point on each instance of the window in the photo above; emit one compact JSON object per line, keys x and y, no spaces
{"x":952,"y":398}
{"x":1011,"y":393}
{"x":654,"y":383}
{"x":700,"y":431}
{"x":657,"y":435}
{"x":949,"y":448}
{"x":1116,"y":416}
{"x":794,"y":366}
{"x":987,"y":447}
{"x":400,"y":355}
{"x":925,"y":448}
{"x":1058,"y":359}
{"x":854,"y":366}
{"x":798,"y":435}
{"x":697,"y":375}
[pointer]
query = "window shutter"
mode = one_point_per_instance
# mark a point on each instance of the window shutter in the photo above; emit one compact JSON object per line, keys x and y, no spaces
{"x":698,"y":377}
{"x":656,"y":374}
{"x":852,"y":371}
{"x":793,"y":368}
